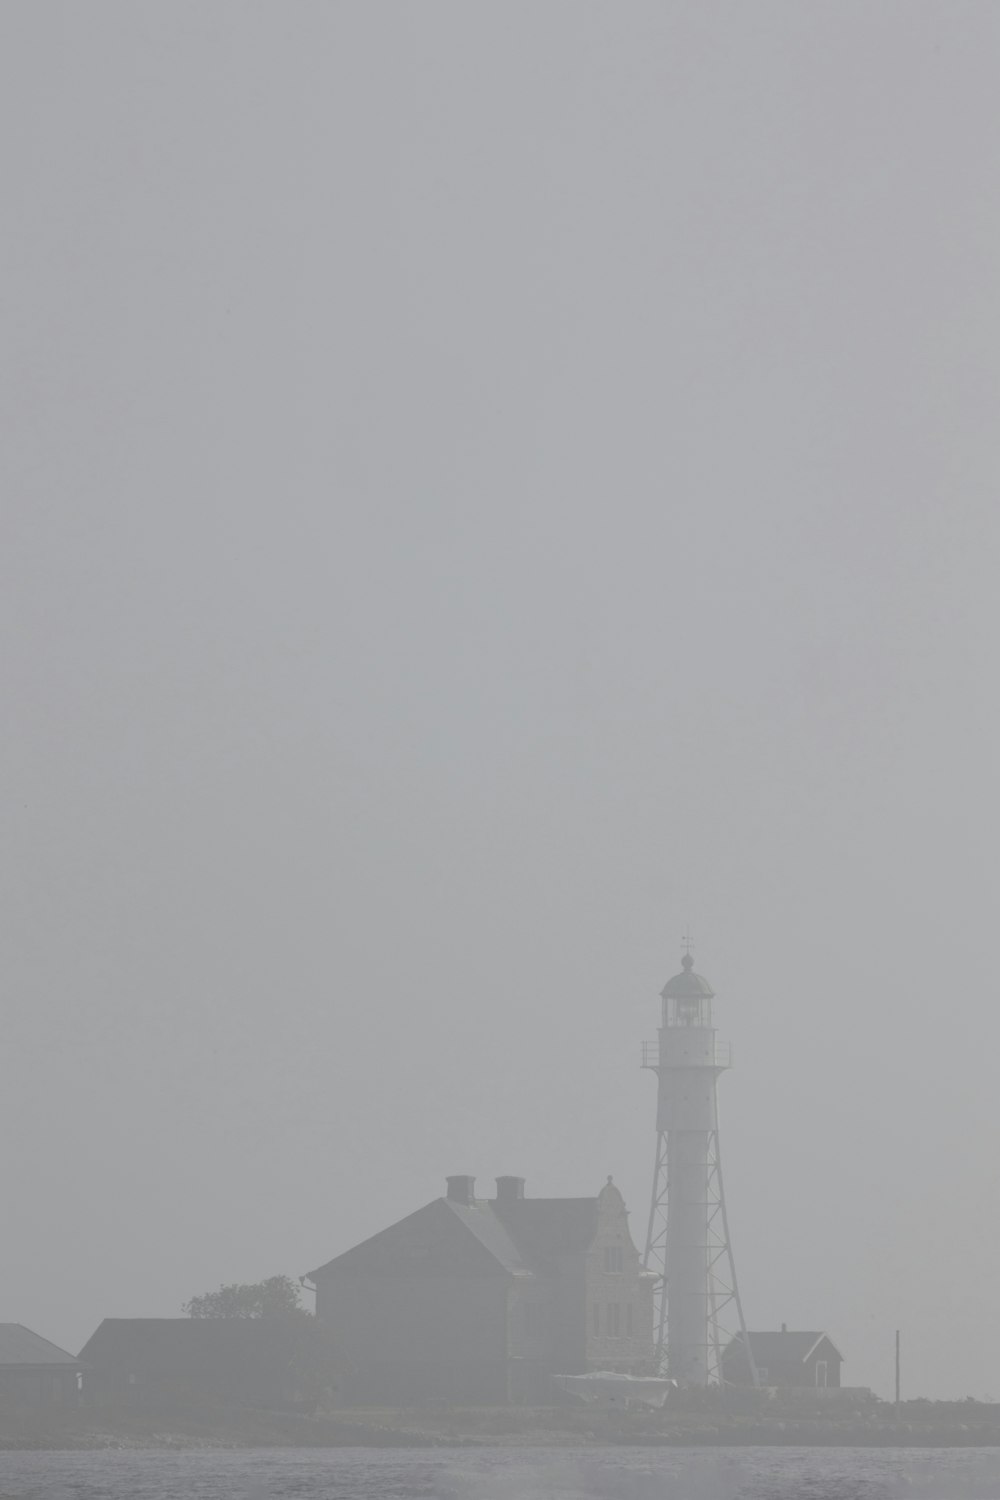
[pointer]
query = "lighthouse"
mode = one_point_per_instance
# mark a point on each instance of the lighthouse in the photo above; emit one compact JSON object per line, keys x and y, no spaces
{"x":698,"y":1308}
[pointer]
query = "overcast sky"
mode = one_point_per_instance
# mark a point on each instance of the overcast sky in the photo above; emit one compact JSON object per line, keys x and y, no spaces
{"x":484,"y":485}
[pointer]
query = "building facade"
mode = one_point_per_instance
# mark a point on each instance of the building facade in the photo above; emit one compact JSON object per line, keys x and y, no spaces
{"x":479,"y":1301}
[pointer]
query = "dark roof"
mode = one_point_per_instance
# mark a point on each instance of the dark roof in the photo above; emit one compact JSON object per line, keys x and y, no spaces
{"x":181,"y":1346}
{"x":687,"y":985}
{"x":442,"y":1237}
{"x":790,"y":1347}
{"x":491,"y":1232}
{"x":518,"y":1235}
{"x":546,"y":1229}
{"x":19,"y":1346}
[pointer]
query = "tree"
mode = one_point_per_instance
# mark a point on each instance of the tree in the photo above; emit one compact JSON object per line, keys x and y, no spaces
{"x":277,"y":1297}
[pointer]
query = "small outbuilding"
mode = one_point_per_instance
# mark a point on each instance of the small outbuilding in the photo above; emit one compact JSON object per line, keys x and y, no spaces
{"x":165,"y":1363}
{"x":34,"y":1374}
{"x":789,"y":1358}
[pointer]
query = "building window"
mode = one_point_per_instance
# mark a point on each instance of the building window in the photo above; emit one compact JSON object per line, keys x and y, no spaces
{"x":628,"y":1318}
{"x":614,"y":1318}
{"x":762,"y":1374}
{"x":597,"y":1318}
{"x":614,"y":1258}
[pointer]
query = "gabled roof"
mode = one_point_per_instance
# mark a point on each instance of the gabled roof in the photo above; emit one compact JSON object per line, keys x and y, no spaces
{"x":788,"y":1347}
{"x":19,"y":1346}
{"x":491,"y":1232}
{"x":443,"y":1237}
{"x":547,"y":1229}
{"x":184,"y":1346}
{"x":521,"y":1236}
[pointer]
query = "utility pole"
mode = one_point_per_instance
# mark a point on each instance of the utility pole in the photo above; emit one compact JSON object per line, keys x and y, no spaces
{"x":897,"y":1374}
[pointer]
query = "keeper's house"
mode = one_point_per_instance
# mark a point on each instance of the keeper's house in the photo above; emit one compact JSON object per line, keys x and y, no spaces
{"x":478,"y":1301}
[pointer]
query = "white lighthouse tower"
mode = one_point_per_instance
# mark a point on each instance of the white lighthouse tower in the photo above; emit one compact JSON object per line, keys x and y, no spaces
{"x":698,"y":1308}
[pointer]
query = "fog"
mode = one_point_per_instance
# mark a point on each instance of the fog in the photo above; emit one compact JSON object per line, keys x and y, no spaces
{"x":484,"y":487}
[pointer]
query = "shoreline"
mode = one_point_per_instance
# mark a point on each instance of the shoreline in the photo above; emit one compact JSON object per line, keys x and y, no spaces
{"x":487,"y":1428}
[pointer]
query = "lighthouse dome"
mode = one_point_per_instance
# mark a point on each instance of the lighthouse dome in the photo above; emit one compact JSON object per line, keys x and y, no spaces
{"x":687,"y":985}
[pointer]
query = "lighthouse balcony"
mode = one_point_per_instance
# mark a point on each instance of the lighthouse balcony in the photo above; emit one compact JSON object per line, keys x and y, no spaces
{"x":709,"y":1055}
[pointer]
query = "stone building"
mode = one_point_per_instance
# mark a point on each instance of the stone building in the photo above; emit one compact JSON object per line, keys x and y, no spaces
{"x":479,"y":1301}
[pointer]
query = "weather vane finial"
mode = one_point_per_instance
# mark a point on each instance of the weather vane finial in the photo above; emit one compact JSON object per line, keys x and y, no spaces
{"x":687,"y":940}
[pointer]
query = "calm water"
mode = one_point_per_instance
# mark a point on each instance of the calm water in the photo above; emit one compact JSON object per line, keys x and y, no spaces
{"x":508,"y":1474}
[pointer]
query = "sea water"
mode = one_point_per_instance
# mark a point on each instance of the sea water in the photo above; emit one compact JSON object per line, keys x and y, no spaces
{"x":507,"y":1474}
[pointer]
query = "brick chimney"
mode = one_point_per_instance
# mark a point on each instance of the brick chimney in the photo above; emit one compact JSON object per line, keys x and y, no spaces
{"x":510,"y":1189}
{"x":462,"y":1189}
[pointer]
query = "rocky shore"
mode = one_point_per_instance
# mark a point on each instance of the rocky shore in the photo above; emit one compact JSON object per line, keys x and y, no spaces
{"x":920,"y":1424}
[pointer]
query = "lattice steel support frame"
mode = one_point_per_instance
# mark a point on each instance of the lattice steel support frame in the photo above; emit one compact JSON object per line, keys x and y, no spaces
{"x":722,"y":1317}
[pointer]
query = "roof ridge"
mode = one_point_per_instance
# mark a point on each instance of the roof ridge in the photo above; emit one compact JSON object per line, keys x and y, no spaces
{"x":19,"y":1343}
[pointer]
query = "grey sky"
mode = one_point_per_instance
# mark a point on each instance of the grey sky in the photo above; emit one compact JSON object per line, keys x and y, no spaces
{"x":486,"y":484}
